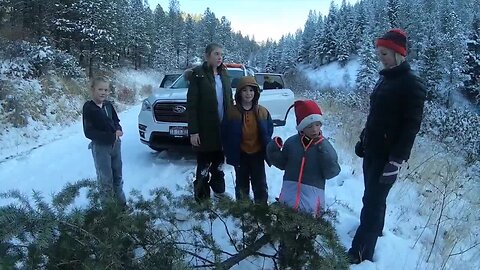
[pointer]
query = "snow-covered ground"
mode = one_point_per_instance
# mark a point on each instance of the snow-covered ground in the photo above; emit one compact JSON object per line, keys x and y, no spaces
{"x":63,"y":157}
{"x":17,"y":142}
{"x":67,"y":159}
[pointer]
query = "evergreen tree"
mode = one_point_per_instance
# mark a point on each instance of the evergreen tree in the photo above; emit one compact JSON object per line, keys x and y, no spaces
{"x":368,"y":72}
{"x":308,"y":37}
{"x":344,"y":41}
{"x":208,"y":29}
{"x":330,"y":35}
{"x":454,"y":50}
{"x":272,"y":58}
{"x":37,"y":234}
{"x":316,"y":51}
{"x":189,"y":41}
{"x":472,"y":85}
{"x":176,"y":25}
{"x":393,"y":7}
{"x":225,"y":37}
{"x":430,"y":67}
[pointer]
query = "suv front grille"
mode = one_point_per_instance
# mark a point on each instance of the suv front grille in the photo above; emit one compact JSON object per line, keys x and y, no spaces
{"x":171,"y":112}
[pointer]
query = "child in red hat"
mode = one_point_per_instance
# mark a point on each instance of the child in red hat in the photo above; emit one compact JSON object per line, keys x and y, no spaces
{"x":307,"y":158}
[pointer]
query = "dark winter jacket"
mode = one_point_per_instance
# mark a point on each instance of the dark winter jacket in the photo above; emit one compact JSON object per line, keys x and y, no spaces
{"x":232,"y":131}
{"x":100,"y":124}
{"x":202,"y":106}
{"x":306,"y":169}
{"x":396,"y":111}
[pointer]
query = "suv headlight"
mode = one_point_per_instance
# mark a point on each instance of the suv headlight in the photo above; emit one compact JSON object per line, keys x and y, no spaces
{"x":146,"y":106}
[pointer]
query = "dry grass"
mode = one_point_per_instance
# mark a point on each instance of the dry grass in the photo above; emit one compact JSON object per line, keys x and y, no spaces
{"x":446,"y":181}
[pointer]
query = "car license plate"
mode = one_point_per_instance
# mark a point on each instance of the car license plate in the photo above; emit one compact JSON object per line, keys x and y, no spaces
{"x":179,"y":131}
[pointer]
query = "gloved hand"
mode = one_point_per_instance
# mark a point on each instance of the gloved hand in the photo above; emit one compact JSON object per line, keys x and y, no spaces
{"x":390,"y":171}
{"x":278,"y":141}
{"x":359,"y":150}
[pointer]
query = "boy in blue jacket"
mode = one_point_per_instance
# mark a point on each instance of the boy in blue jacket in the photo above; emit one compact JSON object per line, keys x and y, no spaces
{"x":246,"y":131}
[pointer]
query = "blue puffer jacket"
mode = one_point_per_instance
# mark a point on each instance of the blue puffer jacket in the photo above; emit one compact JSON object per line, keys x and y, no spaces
{"x":232,"y":131}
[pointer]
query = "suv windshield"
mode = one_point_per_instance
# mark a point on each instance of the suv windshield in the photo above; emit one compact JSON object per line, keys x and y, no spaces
{"x":234,"y":75}
{"x":269,"y":81}
{"x":169,"y":79}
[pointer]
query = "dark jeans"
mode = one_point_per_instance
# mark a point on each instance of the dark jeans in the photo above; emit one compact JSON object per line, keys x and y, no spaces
{"x":209,"y":174}
{"x":372,"y":217}
{"x":251,"y":170}
{"x":108,"y":164}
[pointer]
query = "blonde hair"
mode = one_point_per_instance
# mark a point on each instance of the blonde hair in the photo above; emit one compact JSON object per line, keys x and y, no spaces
{"x":98,"y":79}
{"x":399,"y":58}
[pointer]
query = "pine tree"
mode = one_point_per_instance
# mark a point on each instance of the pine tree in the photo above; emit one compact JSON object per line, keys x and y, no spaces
{"x":454,"y":50}
{"x":308,"y":39}
{"x":393,"y":7}
{"x":208,"y":29}
{"x":472,"y":85}
{"x":344,"y":41}
{"x":137,"y":32}
{"x":38,"y":234}
{"x":288,"y":53}
{"x":225,"y":37}
{"x":164,"y":55}
{"x":176,"y":25}
{"x":272,"y":58}
{"x":367,"y":74}
{"x":316,"y":51}
{"x":330,"y":35}
{"x":189,"y":41}
{"x":430,"y":66}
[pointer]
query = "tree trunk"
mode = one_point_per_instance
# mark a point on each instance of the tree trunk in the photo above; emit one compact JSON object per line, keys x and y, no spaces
{"x":90,"y":64}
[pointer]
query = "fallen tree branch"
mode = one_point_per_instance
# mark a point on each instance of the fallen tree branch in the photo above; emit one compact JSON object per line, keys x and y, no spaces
{"x":246,"y":252}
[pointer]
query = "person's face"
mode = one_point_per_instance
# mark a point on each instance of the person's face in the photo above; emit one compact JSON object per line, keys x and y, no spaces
{"x":313,"y":130}
{"x":215,"y":57}
{"x":247,"y":94}
{"x":387,"y":57}
{"x":100,"y":91}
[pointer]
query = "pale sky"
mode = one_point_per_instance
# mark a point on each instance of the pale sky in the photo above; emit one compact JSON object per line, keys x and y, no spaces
{"x":260,"y":18}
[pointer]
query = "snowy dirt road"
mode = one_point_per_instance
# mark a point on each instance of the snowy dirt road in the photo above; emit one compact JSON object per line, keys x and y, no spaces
{"x":48,"y":168}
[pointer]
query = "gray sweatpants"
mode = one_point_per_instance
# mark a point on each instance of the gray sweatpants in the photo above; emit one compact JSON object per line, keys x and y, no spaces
{"x":108,"y":164}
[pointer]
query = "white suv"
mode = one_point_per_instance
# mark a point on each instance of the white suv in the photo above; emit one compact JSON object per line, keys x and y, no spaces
{"x":162,"y":121}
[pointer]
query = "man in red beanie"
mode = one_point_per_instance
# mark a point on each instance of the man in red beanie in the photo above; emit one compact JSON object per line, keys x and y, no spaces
{"x":396,"y":110}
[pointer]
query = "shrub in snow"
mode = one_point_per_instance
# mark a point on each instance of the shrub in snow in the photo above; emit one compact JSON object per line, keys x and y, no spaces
{"x":28,"y":60}
{"x":125,"y":95}
{"x":39,"y":83}
{"x":159,"y":232}
{"x":456,"y":127}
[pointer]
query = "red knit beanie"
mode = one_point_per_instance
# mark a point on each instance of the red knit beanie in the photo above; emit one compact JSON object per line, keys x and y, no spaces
{"x":307,"y":112}
{"x":396,"y":40}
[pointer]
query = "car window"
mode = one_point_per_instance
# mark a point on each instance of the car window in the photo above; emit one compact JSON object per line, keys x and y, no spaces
{"x":234,"y":75}
{"x":275,"y":81}
{"x":168,"y":80}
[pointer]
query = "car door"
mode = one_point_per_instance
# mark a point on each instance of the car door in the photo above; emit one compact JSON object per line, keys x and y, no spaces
{"x":278,"y":100}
